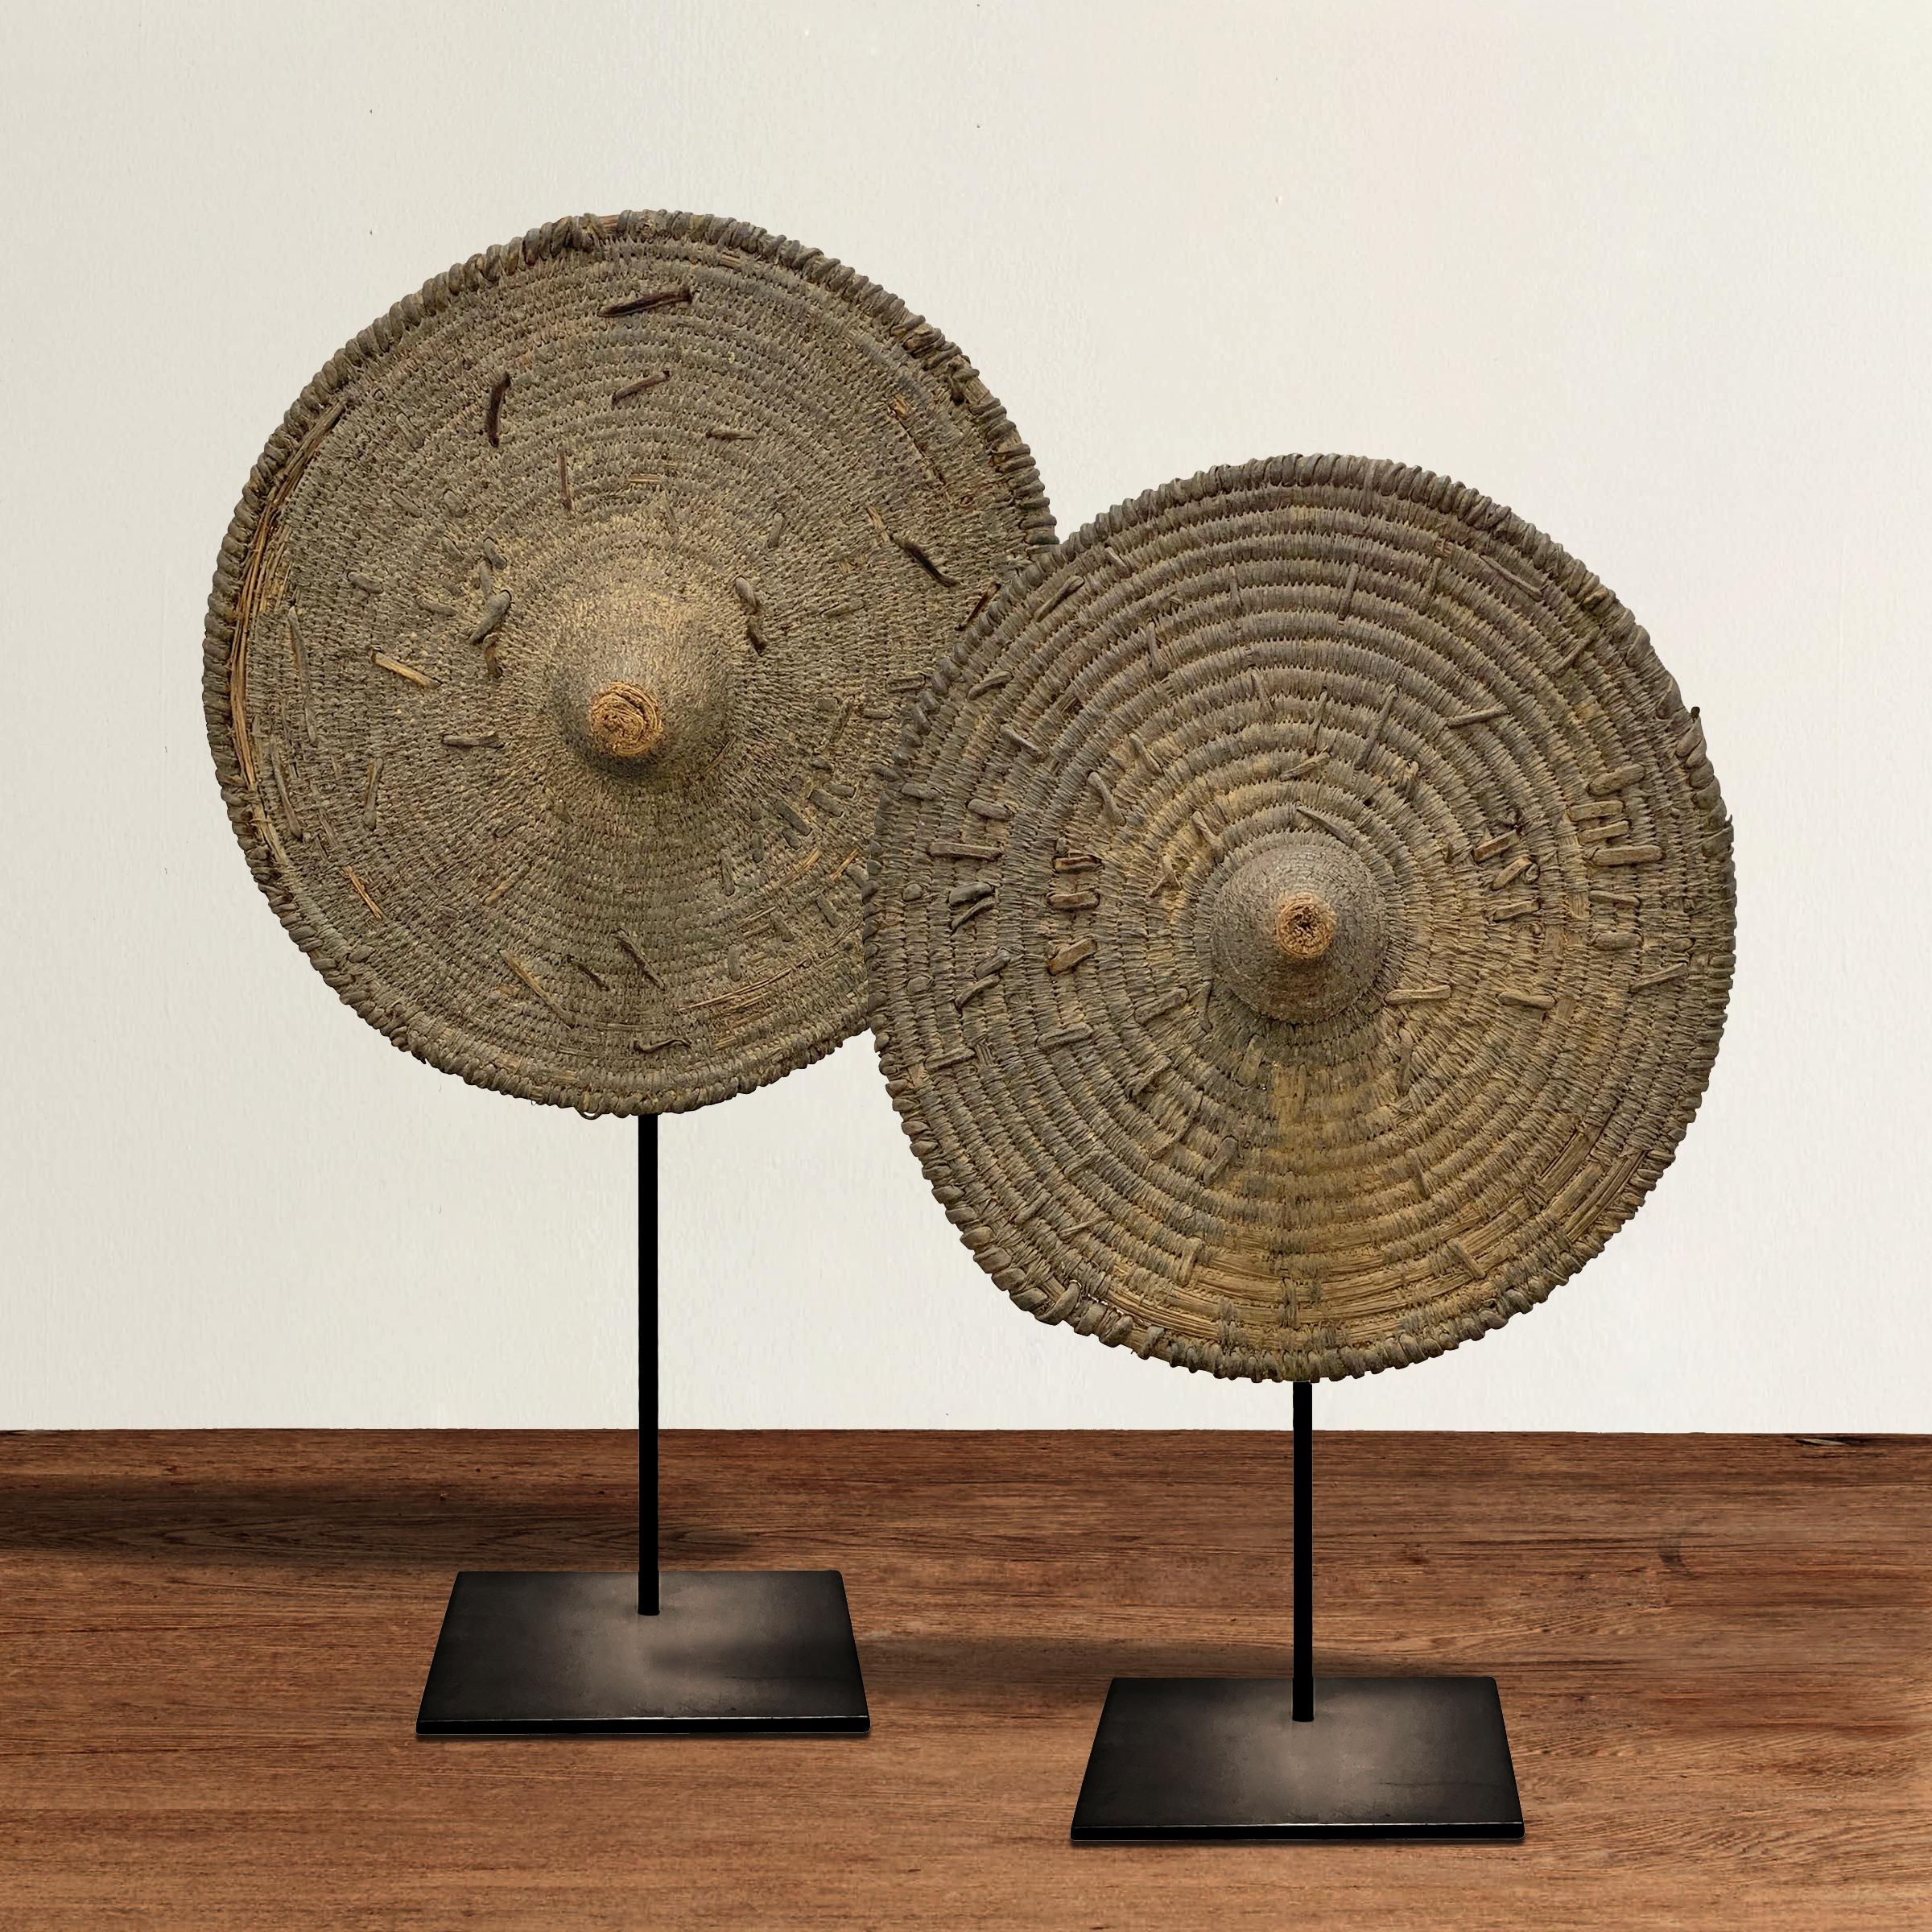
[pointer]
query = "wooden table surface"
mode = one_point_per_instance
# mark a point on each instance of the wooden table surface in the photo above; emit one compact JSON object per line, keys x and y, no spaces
{"x":1715,"y":1652}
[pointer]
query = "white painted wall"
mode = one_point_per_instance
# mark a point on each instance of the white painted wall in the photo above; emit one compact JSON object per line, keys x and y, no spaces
{"x":1657,"y":275}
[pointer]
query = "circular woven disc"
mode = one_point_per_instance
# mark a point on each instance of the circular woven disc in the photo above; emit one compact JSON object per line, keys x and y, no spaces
{"x":1301,"y":926}
{"x":559,"y":630}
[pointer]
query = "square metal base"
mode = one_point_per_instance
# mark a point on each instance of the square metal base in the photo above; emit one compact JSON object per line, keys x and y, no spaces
{"x":548,"y":1652}
{"x":1219,"y":1757}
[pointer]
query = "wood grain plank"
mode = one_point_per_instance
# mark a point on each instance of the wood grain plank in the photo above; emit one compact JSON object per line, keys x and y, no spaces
{"x":1716,"y":1656}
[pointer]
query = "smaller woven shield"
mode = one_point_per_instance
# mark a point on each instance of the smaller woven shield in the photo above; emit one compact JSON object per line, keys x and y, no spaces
{"x":559,"y":633}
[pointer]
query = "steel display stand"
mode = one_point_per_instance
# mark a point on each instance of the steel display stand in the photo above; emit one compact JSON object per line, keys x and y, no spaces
{"x":1363,"y":1757}
{"x":550,"y":1653}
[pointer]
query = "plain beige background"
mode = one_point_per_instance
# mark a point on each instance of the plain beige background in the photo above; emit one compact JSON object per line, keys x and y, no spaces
{"x":1656,"y":275}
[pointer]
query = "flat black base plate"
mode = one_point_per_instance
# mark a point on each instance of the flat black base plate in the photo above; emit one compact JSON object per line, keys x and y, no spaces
{"x":1221,"y":1757}
{"x":559,"y":1651}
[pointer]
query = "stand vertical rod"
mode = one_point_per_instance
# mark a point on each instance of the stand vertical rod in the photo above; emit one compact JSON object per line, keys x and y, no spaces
{"x":647,"y":1364}
{"x":1302,"y":1710}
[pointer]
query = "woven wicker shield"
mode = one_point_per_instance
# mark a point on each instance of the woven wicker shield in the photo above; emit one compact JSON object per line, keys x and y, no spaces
{"x":1301,"y":926}
{"x":559,"y":634}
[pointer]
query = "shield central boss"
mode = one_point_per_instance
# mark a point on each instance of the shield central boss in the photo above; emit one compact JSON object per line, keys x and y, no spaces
{"x":1301,"y":924}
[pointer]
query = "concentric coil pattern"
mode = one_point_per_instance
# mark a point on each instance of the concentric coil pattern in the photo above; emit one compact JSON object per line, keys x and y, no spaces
{"x":561,"y":633}
{"x":1301,"y":926}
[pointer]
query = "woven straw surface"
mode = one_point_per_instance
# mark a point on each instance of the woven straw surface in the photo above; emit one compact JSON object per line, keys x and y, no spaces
{"x":1301,"y":925}
{"x":560,"y":632}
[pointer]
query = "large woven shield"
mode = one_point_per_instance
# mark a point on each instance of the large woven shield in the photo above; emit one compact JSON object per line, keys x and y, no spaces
{"x":1301,"y":922}
{"x":561,"y":628}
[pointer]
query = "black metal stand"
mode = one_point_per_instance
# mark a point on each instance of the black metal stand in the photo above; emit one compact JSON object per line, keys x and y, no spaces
{"x":550,"y":1653}
{"x":1368,"y":1757}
